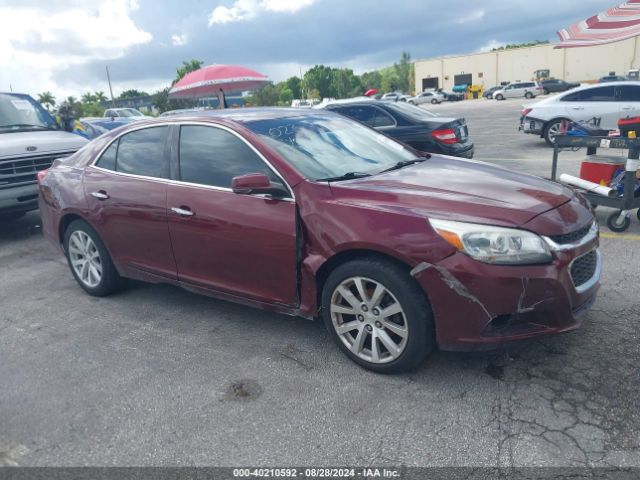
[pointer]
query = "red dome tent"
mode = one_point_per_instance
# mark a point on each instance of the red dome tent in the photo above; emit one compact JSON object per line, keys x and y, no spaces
{"x":615,"y":24}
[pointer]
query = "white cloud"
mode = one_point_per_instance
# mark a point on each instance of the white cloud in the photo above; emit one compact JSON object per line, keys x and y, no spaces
{"x":179,"y":40}
{"x":491,"y":45}
{"x":34,"y":41}
{"x":474,"y":16}
{"x":243,"y":10}
{"x":289,"y":6}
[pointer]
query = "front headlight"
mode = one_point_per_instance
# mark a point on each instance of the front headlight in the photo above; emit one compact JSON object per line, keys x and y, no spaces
{"x":497,"y":245}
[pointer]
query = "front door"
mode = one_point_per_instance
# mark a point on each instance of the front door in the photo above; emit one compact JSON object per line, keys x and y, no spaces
{"x":238,"y":244}
{"x":127,"y":201}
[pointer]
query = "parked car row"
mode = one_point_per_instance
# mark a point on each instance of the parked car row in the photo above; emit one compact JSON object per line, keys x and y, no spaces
{"x":528,"y":89}
{"x":600,"y":105}
{"x":309,"y":213}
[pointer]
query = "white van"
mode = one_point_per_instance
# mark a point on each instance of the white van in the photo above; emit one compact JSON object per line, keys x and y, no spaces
{"x":519,"y":90}
{"x":30,"y":140}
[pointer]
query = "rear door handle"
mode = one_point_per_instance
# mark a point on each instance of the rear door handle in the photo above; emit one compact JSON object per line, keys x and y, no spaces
{"x":627,"y":108}
{"x":183,"y":211}
{"x":577,"y":108}
{"x":100,"y":195}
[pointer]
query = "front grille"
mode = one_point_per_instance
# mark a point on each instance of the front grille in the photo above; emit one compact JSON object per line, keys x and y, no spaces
{"x":571,"y":237}
{"x":23,"y":170}
{"x":584,"y":268}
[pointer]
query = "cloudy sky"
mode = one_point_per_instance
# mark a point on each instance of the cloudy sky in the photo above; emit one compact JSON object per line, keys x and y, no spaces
{"x":64,"y":45}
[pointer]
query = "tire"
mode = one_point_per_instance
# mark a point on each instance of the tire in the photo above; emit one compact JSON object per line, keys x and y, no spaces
{"x":399,"y":290}
{"x":102,"y":278}
{"x":11,"y":216}
{"x":528,"y":95}
{"x":614,"y":225}
{"x":550,"y":128}
{"x":434,"y":101}
{"x":499,"y":97}
{"x":638,"y":214}
{"x":545,"y":91}
{"x":412,"y":102}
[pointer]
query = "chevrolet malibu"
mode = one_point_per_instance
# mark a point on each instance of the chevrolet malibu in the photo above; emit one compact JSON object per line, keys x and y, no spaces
{"x":311,"y":214}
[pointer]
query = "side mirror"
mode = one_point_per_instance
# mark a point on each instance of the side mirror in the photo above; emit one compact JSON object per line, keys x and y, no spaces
{"x":256,"y":183}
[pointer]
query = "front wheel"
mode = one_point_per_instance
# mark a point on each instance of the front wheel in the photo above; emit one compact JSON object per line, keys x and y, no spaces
{"x":378,"y":315}
{"x":618,"y":224}
{"x":545,"y":91}
{"x":89,"y":260}
{"x":499,"y":97}
{"x":434,"y":101}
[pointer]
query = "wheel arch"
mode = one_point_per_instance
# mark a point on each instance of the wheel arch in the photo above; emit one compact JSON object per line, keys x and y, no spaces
{"x":351,"y":254}
{"x":64,"y":223}
{"x":549,"y":122}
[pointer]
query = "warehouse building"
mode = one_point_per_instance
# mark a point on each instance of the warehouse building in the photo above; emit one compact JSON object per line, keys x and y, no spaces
{"x":585,"y":64}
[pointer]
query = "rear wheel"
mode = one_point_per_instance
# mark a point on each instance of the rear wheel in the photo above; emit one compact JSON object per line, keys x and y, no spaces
{"x":434,"y":101}
{"x":89,"y":260}
{"x":528,"y":95}
{"x":551,"y":130}
{"x":499,"y":97}
{"x":545,"y":91}
{"x":378,"y":315}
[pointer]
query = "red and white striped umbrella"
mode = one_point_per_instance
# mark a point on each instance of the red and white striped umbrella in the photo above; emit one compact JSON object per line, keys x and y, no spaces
{"x":615,"y":24}
{"x":208,"y":81}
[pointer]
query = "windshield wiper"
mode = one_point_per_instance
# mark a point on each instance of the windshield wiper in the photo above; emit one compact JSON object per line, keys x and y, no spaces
{"x":346,"y":176}
{"x":403,"y":164}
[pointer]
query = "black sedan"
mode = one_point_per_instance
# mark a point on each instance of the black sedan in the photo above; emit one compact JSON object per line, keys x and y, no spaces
{"x":554,"y":85}
{"x":411,"y":125}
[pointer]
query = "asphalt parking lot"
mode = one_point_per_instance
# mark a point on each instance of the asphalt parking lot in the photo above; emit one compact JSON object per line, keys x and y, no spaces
{"x":159,"y":376}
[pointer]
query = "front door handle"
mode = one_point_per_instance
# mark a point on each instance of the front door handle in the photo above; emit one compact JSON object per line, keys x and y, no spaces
{"x":183,"y":211}
{"x":627,"y":108}
{"x":100,"y":195}
{"x":577,"y":108}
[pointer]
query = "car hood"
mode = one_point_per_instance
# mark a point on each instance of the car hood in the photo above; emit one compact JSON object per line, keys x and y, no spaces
{"x":15,"y":144}
{"x":454,"y":189}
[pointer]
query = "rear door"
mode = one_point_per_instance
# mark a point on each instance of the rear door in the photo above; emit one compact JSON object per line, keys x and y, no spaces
{"x":596,"y":106}
{"x":126,"y":193}
{"x":242,"y":245}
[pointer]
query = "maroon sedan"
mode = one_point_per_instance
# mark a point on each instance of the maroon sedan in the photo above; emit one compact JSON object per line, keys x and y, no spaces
{"x":311,"y":214}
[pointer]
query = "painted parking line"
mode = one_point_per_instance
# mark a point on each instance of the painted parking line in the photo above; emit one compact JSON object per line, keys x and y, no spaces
{"x":620,"y":236}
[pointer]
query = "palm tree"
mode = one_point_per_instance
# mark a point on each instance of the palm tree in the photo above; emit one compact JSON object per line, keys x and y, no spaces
{"x":100,"y":97}
{"x":187,"y":67}
{"x":88,"y":98}
{"x":47,"y":99}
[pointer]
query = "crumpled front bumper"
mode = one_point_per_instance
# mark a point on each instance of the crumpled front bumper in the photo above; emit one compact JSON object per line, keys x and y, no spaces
{"x":480,"y":306}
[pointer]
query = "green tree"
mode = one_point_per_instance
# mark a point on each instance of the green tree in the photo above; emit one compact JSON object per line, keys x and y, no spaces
{"x":344,"y":83}
{"x":319,"y":78}
{"x":187,"y":67}
{"x":403,"y":72}
{"x":100,"y":97}
{"x":88,"y":98}
{"x":295,"y":85}
{"x":267,"y":96}
{"x":161,"y":101}
{"x":286,"y":95}
{"x":132,"y":93}
{"x":47,"y":99}
{"x":371,"y":80}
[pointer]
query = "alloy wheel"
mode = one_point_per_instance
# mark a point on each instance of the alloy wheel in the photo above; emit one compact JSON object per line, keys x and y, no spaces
{"x":553,"y":131}
{"x":85,"y":259}
{"x":369,"y":320}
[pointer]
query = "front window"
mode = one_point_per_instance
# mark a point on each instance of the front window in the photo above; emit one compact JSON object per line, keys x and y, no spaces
{"x":21,"y":112}
{"x":324,"y":146}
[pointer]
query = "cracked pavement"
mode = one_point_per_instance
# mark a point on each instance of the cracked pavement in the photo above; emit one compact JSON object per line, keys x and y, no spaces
{"x":159,"y":376}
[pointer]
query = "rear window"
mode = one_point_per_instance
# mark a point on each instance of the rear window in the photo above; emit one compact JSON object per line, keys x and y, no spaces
{"x":411,"y":111}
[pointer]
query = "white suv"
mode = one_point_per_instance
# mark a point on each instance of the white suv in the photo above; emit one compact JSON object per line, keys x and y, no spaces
{"x":519,"y":90}
{"x":598,"y":105}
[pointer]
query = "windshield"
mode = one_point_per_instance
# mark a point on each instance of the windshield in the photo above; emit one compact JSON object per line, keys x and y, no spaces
{"x":21,"y":112}
{"x":324,"y":146}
